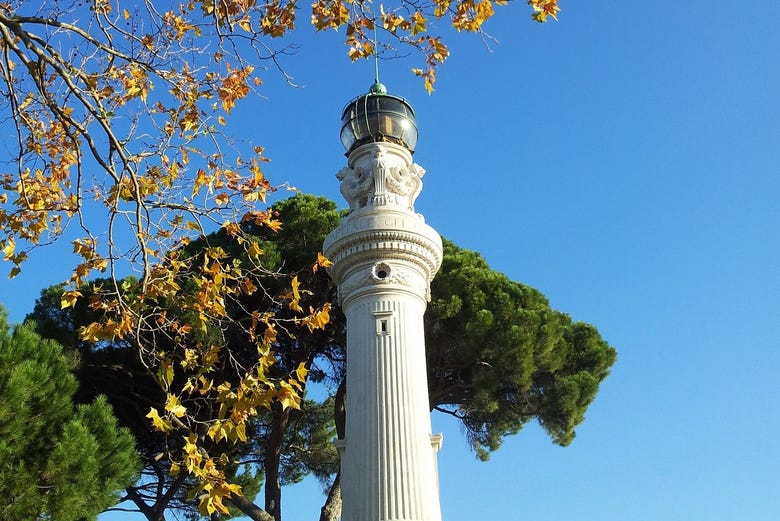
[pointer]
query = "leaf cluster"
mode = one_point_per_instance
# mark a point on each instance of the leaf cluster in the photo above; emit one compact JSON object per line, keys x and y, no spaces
{"x":191,"y":415}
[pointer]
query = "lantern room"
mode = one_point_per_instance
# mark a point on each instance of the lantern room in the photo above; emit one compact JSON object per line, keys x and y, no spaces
{"x":378,"y":117}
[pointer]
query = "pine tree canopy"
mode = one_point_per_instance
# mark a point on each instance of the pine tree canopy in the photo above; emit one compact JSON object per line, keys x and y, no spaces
{"x":58,"y":460}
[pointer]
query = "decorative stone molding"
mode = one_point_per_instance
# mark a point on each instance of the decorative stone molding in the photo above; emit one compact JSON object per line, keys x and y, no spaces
{"x":398,"y":245}
{"x":396,"y":276}
{"x":381,"y":177}
{"x":371,"y":235}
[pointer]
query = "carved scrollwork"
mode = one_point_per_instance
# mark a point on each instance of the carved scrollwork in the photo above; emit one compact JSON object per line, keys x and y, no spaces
{"x":356,"y":186}
{"x":406,"y":183}
{"x":382,"y":179}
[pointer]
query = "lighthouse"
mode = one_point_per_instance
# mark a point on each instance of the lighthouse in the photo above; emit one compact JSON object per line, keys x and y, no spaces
{"x":384,"y":257}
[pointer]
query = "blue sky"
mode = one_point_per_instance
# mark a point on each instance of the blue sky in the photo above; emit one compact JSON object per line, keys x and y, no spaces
{"x":625,"y":161}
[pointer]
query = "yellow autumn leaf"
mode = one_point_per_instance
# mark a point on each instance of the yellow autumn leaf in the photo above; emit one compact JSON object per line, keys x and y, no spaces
{"x":301,"y":372}
{"x":84,"y":248}
{"x":211,"y":502}
{"x":543,"y":9}
{"x":173,"y":406}
{"x":189,"y":386}
{"x":296,"y":296}
{"x":418,"y":23}
{"x":217,"y":431}
{"x":287,"y":396}
{"x":317,"y":319}
{"x":90,"y":333}
{"x":428,"y":86}
{"x":274,"y":225}
{"x":240,"y":433}
{"x":191,"y":443}
{"x":269,"y":336}
{"x":165,"y":372}
{"x":205,"y":384}
{"x":254,"y":250}
{"x":322,"y":262}
{"x":159,"y":424}
{"x":190,"y":359}
{"x":245,"y":24}
{"x":233,"y":488}
{"x":69,"y":298}
{"x":9,"y":249}
{"x":222,"y":198}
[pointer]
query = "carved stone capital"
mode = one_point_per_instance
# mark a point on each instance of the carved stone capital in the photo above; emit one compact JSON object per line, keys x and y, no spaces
{"x":381,"y":174}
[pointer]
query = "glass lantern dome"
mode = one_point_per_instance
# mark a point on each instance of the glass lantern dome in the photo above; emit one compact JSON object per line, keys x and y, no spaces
{"x":378,"y":116}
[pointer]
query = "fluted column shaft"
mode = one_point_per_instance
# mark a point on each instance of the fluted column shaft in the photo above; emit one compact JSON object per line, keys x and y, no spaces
{"x":388,"y":463}
{"x":384,"y":258}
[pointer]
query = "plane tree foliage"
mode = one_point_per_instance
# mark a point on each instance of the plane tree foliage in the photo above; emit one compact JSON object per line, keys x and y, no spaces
{"x":58,"y":459}
{"x":117,"y":116}
{"x":114,"y":369}
{"x":280,"y":444}
{"x":498,"y":357}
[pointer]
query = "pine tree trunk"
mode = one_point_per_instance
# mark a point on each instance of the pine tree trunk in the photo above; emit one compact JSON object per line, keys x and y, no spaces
{"x":271,"y":462}
{"x":155,"y":512}
{"x":331,"y":510}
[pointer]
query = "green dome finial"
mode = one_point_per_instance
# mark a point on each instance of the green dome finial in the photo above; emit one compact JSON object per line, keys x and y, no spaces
{"x":377,"y":88}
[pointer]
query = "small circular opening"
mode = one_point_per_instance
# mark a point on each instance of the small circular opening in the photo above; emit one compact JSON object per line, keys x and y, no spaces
{"x":381,"y":271}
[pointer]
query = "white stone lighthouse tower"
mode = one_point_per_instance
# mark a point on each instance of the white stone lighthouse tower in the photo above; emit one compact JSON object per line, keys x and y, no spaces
{"x":384,"y":258}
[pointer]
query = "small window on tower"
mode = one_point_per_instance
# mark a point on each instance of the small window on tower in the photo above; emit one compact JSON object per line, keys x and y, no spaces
{"x":383,"y":325}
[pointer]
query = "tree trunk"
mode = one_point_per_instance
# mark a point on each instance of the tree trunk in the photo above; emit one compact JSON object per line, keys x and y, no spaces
{"x":252,"y":511}
{"x":156,"y":511}
{"x":331,"y":510}
{"x":273,"y":486}
{"x":151,"y":513}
